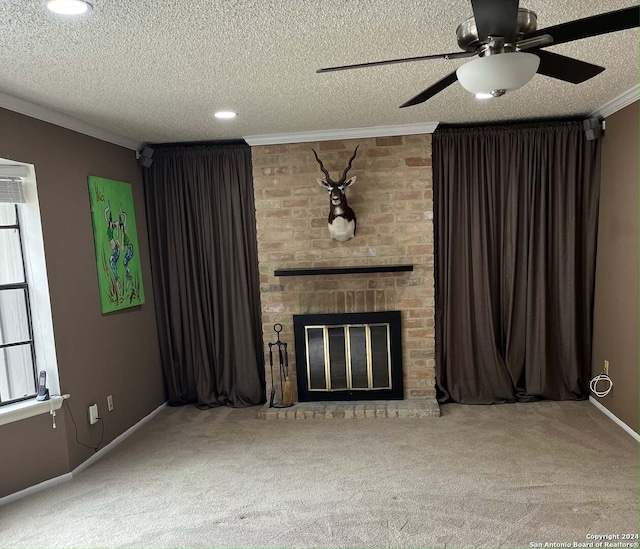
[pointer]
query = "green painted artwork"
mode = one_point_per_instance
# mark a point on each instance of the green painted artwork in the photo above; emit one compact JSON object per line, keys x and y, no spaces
{"x":116,"y":241}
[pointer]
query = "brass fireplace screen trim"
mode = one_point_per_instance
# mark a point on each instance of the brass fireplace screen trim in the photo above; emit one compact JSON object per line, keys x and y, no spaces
{"x":348,"y":363}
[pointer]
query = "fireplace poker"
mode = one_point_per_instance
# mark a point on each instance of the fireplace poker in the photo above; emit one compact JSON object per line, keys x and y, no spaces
{"x":281,"y":369}
{"x":287,"y":395}
{"x":273,"y":389}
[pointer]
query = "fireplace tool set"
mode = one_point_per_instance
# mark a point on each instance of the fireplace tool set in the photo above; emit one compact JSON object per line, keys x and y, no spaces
{"x":286,"y":390}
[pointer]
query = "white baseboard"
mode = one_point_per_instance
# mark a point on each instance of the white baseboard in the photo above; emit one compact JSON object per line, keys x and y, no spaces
{"x":35,"y":488}
{"x":614,"y":418}
{"x":120,"y":438}
{"x":95,"y":457}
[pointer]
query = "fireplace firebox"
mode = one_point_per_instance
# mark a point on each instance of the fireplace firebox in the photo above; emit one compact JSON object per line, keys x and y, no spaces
{"x":349,"y":356}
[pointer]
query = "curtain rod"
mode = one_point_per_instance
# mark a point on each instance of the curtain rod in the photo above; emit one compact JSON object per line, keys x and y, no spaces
{"x":512,"y":123}
{"x":199,"y":143}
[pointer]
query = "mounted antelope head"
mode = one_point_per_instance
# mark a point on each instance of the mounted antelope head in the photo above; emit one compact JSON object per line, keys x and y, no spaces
{"x":342,"y":219}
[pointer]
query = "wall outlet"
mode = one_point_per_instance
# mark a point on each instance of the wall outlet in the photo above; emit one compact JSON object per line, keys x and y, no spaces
{"x":93,"y":414}
{"x":606,"y":367}
{"x":110,"y":403}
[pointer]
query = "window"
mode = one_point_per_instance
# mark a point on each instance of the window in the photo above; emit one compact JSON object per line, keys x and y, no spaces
{"x":27,"y":342}
{"x":17,"y":349}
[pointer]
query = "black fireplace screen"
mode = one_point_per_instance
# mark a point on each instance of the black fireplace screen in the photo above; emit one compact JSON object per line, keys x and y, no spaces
{"x":352,"y":356}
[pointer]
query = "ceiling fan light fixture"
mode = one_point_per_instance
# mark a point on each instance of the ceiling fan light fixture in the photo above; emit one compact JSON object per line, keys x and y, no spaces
{"x":68,"y":7}
{"x":484,"y":95}
{"x":494,"y":75}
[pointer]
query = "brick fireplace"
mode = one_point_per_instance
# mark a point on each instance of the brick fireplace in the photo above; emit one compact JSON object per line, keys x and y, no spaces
{"x":392,"y":198}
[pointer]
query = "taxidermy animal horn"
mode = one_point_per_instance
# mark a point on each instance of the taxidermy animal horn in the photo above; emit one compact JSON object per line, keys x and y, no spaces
{"x":346,"y":170}
{"x":326,"y":173}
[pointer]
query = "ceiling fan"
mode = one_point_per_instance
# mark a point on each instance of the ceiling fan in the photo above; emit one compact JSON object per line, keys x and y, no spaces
{"x":508,"y":44}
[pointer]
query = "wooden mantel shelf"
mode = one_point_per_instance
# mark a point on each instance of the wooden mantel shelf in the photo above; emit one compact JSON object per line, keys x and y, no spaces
{"x":344,"y":270}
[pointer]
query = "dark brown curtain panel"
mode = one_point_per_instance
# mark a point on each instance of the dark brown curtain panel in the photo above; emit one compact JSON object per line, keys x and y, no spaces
{"x":515,"y":212}
{"x":202,"y":235}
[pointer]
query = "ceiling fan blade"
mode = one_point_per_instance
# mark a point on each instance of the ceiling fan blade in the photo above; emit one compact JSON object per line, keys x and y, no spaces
{"x":496,"y":18}
{"x":604,"y":23}
{"x":431,"y":90}
{"x":566,"y":68}
{"x":455,"y":55}
{"x":535,"y":42}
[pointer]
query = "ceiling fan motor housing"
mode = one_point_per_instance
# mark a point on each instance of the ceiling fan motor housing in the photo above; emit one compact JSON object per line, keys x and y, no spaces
{"x":467,"y":32}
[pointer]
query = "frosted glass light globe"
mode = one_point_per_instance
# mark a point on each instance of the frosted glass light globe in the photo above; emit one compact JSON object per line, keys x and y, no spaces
{"x":502,"y":71}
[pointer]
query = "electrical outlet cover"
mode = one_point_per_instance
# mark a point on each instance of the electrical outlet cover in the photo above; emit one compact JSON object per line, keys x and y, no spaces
{"x":93,"y":414}
{"x":110,"y":403}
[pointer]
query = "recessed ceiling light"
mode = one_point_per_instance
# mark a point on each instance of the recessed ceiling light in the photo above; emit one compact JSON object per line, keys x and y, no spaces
{"x":483,"y":96}
{"x":68,"y":7}
{"x":225,"y":115}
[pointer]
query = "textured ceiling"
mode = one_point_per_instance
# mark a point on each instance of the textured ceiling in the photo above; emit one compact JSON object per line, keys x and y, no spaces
{"x":156,"y":70}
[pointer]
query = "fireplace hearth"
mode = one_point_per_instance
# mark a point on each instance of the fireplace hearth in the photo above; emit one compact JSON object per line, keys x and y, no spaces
{"x":349,"y":356}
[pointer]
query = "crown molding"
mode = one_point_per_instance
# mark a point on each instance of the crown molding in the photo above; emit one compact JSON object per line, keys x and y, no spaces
{"x":620,"y":102}
{"x":347,"y":133}
{"x":34,"y":110}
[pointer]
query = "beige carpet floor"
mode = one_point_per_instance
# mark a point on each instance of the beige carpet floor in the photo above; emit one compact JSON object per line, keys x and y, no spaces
{"x":479,"y":476}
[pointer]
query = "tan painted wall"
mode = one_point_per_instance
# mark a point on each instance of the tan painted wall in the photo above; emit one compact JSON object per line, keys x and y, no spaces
{"x":97,"y":354}
{"x":615,"y":336}
{"x":392,"y":198}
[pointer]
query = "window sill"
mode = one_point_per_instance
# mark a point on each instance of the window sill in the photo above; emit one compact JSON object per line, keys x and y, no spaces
{"x":29,"y":408}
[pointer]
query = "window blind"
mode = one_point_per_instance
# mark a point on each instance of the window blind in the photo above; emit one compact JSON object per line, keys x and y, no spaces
{"x":11,"y":191}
